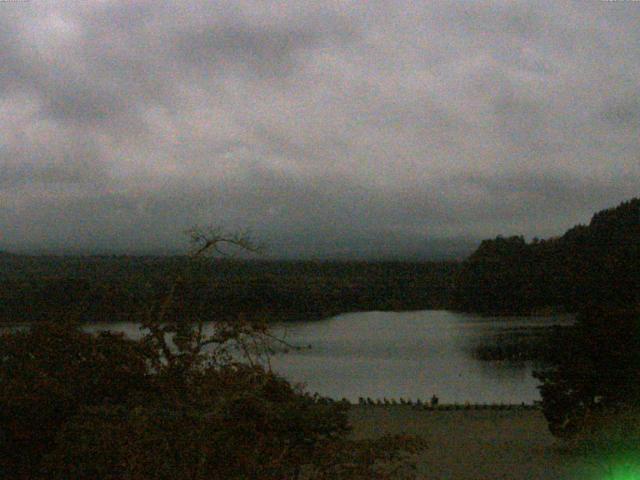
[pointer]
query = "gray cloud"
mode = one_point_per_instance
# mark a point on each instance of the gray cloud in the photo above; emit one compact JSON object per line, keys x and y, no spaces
{"x":370,"y":129}
{"x":624,"y":112}
{"x":269,"y":51}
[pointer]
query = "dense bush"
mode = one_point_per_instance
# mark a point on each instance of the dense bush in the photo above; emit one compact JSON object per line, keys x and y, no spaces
{"x":179,"y":404}
{"x":49,"y":374}
{"x":76,"y":406}
{"x":234,"y":422}
{"x":596,"y":369}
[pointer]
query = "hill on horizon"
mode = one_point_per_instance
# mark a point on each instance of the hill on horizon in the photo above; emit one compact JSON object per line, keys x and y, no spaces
{"x":594,"y":263}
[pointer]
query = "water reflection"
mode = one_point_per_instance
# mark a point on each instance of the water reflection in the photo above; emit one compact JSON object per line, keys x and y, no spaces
{"x":410,"y":355}
{"x":400,"y":354}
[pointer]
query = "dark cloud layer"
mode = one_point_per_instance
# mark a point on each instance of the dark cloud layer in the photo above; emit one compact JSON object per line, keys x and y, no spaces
{"x":329,"y":129}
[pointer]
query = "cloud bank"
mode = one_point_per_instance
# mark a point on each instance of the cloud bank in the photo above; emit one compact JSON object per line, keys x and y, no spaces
{"x":330,"y":129}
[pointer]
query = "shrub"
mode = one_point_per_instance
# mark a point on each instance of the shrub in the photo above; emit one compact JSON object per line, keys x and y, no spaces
{"x":179,"y":404}
{"x":48,"y":374}
{"x":596,"y":367}
{"x":75,"y":406}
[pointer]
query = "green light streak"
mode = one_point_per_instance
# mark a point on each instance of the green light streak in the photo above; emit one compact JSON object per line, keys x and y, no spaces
{"x":622,"y":470}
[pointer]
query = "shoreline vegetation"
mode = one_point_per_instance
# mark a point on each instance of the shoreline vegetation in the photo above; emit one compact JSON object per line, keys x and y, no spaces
{"x":110,"y":289}
{"x":68,"y":390}
{"x":594,"y":264}
{"x":114,"y":288}
{"x":534,"y":344}
{"x":79,"y":405}
{"x":504,"y":277}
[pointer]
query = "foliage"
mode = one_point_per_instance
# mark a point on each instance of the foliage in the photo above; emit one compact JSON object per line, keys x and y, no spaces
{"x":592,"y":270}
{"x":490,"y":279}
{"x":237,"y":422}
{"x":180,"y":404}
{"x":530,"y":344}
{"x":110,"y":288}
{"x":595,"y":264}
{"x":596,"y":368}
{"x":48,"y":374}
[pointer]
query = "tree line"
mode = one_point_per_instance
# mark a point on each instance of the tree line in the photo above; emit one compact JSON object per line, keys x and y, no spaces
{"x":179,"y":404}
{"x":591,"y":386}
{"x":78,"y":406}
{"x":114,"y":288}
{"x":592,"y":264}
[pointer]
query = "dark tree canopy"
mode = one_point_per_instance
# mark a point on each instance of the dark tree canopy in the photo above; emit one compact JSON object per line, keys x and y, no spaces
{"x":592,"y":270}
{"x":589,"y":265}
{"x":597,"y":369}
{"x":180,"y":404}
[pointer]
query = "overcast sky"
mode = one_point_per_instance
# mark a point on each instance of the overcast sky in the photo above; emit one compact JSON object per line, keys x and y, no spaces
{"x":327,"y":128}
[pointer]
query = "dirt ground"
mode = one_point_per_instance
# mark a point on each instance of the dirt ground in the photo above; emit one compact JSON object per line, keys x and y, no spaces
{"x":477,"y":444}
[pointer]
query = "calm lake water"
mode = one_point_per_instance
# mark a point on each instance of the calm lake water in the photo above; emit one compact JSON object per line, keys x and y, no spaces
{"x":401,"y":354}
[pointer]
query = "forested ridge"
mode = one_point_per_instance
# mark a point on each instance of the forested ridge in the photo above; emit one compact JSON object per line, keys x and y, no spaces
{"x":109,"y":288}
{"x":595,"y":263}
{"x":592,"y":264}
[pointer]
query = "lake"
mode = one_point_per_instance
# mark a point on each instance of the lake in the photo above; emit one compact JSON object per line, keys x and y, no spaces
{"x":401,"y":354}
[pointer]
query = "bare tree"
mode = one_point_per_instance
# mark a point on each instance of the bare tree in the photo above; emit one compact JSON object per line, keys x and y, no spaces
{"x":182,"y":343}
